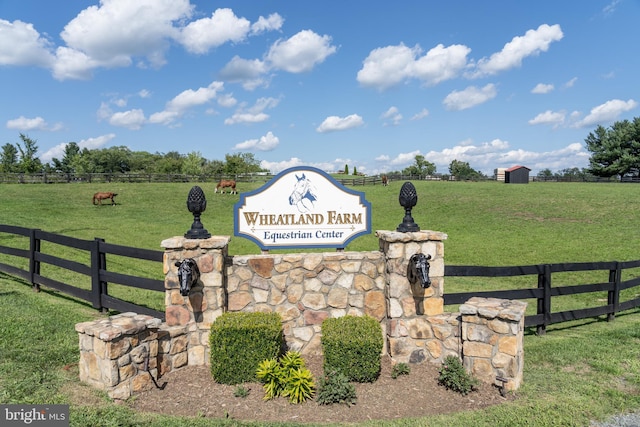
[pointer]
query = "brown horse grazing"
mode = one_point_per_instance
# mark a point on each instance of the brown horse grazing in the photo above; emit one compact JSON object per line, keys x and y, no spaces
{"x":226,"y":183}
{"x":385,"y":180}
{"x":103,"y":196}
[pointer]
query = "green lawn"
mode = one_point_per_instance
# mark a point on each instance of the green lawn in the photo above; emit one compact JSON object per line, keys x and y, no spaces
{"x":578,"y":371}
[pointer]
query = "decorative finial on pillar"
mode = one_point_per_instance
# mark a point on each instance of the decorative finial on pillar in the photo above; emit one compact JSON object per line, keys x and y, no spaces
{"x":408,"y":199}
{"x":196,"y":203}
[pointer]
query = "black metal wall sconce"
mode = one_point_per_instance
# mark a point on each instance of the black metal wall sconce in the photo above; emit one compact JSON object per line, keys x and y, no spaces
{"x":188,"y":275}
{"x":418,"y":270}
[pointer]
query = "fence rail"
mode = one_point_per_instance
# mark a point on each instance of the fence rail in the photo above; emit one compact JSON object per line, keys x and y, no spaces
{"x":96,"y":269}
{"x":544,"y":291}
{"x":353,"y":180}
{"x":100,"y":277}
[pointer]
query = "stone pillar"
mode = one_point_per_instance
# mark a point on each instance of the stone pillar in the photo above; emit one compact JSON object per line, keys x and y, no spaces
{"x":119,"y":354}
{"x":410,"y":308}
{"x":493,"y":335}
{"x":206,"y":300}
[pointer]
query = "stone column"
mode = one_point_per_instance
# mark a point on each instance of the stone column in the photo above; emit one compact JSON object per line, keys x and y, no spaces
{"x":493,"y":335}
{"x":206,"y":300}
{"x":411,"y":336}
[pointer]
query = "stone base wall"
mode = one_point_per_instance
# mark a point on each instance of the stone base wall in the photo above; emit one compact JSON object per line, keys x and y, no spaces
{"x":492,"y":337}
{"x":305,"y":289}
{"x":119,"y":354}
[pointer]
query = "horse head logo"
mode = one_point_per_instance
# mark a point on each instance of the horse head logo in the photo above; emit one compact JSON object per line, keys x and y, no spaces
{"x":418,"y":270}
{"x":304,"y":194}
{"x":188,"y":275}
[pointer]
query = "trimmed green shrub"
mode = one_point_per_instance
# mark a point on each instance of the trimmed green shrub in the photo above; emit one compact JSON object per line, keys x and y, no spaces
{"x":454,"y":377}
{"x":352,"y":345}
{"x":336,"y":388}
{"x":240,"y":341}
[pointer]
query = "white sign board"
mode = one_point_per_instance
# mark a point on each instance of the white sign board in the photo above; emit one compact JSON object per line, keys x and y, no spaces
{"x":302,"y":207}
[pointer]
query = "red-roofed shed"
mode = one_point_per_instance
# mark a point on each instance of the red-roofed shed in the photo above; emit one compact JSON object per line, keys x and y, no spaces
{"x":517,"y":175}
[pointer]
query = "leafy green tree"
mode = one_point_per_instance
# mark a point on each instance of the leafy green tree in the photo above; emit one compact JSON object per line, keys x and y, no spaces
{"x":193,"y":163}
{"x":9,"y":158}
{"x":355,"y":171}
{"x":29,"y":162}
{"x":241,"y":163}
{"x":462,"y":170}
{"x":170,"y":162}
{"x":420,"y":167}
{"x":346,"y":169}
{"x":71,"y":150}
{"x":545,"y":174}
{"x":615,"y":151}
{"x":112,"y":160}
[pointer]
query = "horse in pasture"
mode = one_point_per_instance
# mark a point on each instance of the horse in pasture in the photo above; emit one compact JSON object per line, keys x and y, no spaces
{"x":104,"y":196}
{"x":227,"y":183}
{"x":385,"y":180}
{"x":304,"y":194}
{"x":188,"y":275}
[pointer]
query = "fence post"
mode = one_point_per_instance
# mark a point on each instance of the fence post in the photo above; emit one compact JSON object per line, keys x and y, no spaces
{"x":544,"y":303}
{"x":34,"y":265}
{"x":613,"y":296}
{"x":98,"y":287}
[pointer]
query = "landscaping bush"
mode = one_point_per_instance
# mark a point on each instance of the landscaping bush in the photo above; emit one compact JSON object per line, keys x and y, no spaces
{"x":287,"y":377}
{"x":352,"y":345}
{"x":454,"y":377}
{"x":240,"y":341}
{"x":336,"y":388}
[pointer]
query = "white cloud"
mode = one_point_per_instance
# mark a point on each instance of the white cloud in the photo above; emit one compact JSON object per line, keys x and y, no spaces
{"x":571,"y":82}
{"x":520,"y":47}
{"x":249,"y":72}
{"x":26,"y":124}
{"x":542,"y":88}
{"x":22,"y":45}
{"x":223,"y":26}
{"x":607,"y":112}
{"x":90,"y":143}
{"x":391,"y":116}
{"x":132,"y":119}
{"x":271,"y":23}
{"x":253,"y":114}
{"x":185,"y":100}
{"x":469,"y":97}
{"x":555,"y":118}
{"x":145,"y":28}
{"x":267,"y":142}
{"x":404,"y":159}
{"x":391,"y":65}
{"x":301,"y":52}
{"x":276,"y":167}
{"x":335,"y":123}
{"x":421,"y":114}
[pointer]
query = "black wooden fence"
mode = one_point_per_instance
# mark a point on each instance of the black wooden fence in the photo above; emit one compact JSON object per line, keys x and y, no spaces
{"x":544,"y":291}
{"x":100,"y":277}
{"x":96,"y":270}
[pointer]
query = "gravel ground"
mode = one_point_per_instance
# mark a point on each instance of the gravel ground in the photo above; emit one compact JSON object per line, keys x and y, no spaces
{"x":624,"y":420}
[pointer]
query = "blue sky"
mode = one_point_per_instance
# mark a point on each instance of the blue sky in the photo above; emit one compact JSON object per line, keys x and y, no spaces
{"x":326,"y":83}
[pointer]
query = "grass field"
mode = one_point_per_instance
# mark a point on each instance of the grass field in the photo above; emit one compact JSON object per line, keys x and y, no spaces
{"x":577,"y":372}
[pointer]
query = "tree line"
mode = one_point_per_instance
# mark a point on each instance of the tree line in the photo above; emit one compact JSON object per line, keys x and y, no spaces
{"x":22,"y":158}
{"x":615,"y":152}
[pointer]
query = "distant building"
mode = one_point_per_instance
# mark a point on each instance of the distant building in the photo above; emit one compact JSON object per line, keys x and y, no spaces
{"x":499,"y":174}
{"x":517,"y":175}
